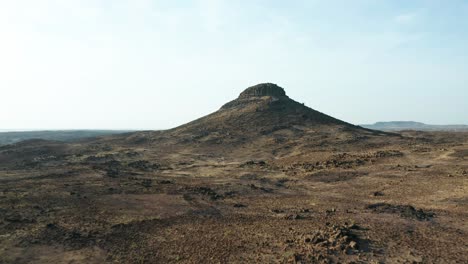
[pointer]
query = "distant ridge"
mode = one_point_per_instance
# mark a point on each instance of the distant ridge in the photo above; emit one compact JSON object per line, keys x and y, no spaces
{"x":412,"y":125}
{"x":11,"y":137}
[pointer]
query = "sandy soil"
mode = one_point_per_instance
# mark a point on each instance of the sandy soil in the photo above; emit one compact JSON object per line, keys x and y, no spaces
{"x":392,"y":200}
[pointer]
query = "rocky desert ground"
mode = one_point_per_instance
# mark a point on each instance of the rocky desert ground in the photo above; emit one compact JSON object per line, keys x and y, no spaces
{"x":263,"y":180}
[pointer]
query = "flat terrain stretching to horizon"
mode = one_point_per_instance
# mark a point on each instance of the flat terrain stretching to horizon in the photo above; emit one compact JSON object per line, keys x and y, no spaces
{"x":11,"y":137}
{"x":264,"y":179}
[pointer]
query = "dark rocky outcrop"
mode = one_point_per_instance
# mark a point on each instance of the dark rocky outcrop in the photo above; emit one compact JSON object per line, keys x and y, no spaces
{"x":263,"y":89}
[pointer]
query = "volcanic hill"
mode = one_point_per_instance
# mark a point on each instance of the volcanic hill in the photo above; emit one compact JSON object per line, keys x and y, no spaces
{"x":263,"y":108}
{"x":262,"y":117}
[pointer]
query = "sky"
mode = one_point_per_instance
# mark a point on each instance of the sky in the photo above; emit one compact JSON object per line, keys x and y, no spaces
{"x":142,"y":64}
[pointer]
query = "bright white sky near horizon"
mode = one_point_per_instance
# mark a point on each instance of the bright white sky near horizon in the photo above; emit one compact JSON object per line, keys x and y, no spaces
{"x":141,"y":64}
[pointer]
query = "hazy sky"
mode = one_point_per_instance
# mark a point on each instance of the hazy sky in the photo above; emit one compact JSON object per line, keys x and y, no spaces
{"x":141,"y":64}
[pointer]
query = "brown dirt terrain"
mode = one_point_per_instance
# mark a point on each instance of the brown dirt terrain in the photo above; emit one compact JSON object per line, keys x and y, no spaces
{"x":263,"y":180}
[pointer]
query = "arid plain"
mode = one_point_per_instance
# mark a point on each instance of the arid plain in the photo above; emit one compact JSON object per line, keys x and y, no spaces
{"x":263,"y":180}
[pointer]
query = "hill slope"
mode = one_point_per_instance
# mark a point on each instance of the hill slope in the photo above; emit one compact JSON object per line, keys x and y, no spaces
{"x":263,"y":109}
{"x":262,"y":121}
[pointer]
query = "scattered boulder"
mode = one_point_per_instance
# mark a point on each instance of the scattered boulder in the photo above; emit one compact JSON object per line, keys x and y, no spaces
{"x":144,"y":165}
{"x":147,"y":183}
{"x":277,"y":211}
{"x":54,"y":234}
{"x":99,"y":159}
{"x":19,"y":219}
{"x":406,"y":211}
{"x":206,"y":191}
{"x":260,"y":163}
{"x":164,"y":182}
{"x":255,"y":187}
{"x":331,"y":240}
{"x":388,"y":153}
{"x":293,"y":217}
{"x":113,"y":168}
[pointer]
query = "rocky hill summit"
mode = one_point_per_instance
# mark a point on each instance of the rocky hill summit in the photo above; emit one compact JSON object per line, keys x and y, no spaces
{"x":263,"y":89}
{"x":263,"y":92}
